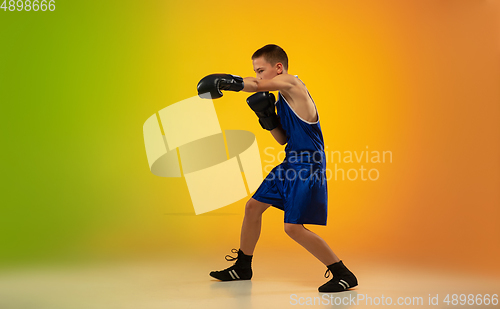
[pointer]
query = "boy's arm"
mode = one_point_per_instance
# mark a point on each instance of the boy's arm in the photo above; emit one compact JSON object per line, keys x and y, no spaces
{"x":211,"y":85}
{"x":279,"y":135}
{"x":283,"y":82}
{"x":263,"y":104}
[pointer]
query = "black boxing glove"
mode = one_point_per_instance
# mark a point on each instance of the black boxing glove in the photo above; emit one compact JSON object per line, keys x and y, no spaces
{"x":262,"y":103}
{"x":211,"y":85}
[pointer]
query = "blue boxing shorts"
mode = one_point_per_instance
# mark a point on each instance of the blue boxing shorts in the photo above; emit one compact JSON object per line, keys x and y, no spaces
{"x":298,"y":186}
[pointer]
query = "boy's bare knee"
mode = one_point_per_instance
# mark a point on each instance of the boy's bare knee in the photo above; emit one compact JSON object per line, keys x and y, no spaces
{"x":293,"y":230}
{"x":250,"y":207}
{"x":255,"y":208}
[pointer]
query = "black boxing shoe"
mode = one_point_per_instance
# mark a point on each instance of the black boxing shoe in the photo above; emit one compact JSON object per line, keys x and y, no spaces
{"x":241,"y":270}
{"x":343,"y":279}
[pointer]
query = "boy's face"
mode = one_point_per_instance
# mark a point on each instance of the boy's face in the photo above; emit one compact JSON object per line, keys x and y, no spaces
{"x":264,"y":70}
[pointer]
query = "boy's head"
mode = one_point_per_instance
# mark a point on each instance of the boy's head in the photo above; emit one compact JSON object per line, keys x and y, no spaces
{"x":269,"y":61}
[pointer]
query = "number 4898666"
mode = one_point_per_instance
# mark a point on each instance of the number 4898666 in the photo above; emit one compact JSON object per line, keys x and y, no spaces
{"x":28,"y":5}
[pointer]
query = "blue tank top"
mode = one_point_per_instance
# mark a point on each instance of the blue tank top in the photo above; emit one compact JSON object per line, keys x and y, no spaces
{"x":304,"y":138}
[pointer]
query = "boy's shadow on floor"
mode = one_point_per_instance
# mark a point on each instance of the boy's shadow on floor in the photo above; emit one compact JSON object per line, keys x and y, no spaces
{"x":234,"y":288}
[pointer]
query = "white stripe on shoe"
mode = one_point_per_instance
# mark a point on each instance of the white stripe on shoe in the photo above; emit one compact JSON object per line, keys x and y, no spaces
{"x":234,"y":272}
{"x":345,"y":288}
{"x":343,"y":281}
{"x":232,"y":276}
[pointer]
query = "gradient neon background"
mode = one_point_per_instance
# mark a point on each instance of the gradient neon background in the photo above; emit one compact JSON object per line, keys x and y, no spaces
{"x":418,"y":78}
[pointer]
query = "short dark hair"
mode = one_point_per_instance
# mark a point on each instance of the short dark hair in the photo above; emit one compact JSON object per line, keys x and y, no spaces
{"x":272,"y":54}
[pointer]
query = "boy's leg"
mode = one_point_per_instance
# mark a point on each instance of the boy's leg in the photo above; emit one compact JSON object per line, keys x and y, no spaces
{"x":343,"y":278}
{"x":312,"y":243}
{"x":252,"y":222}
{"x":250,"y":232}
